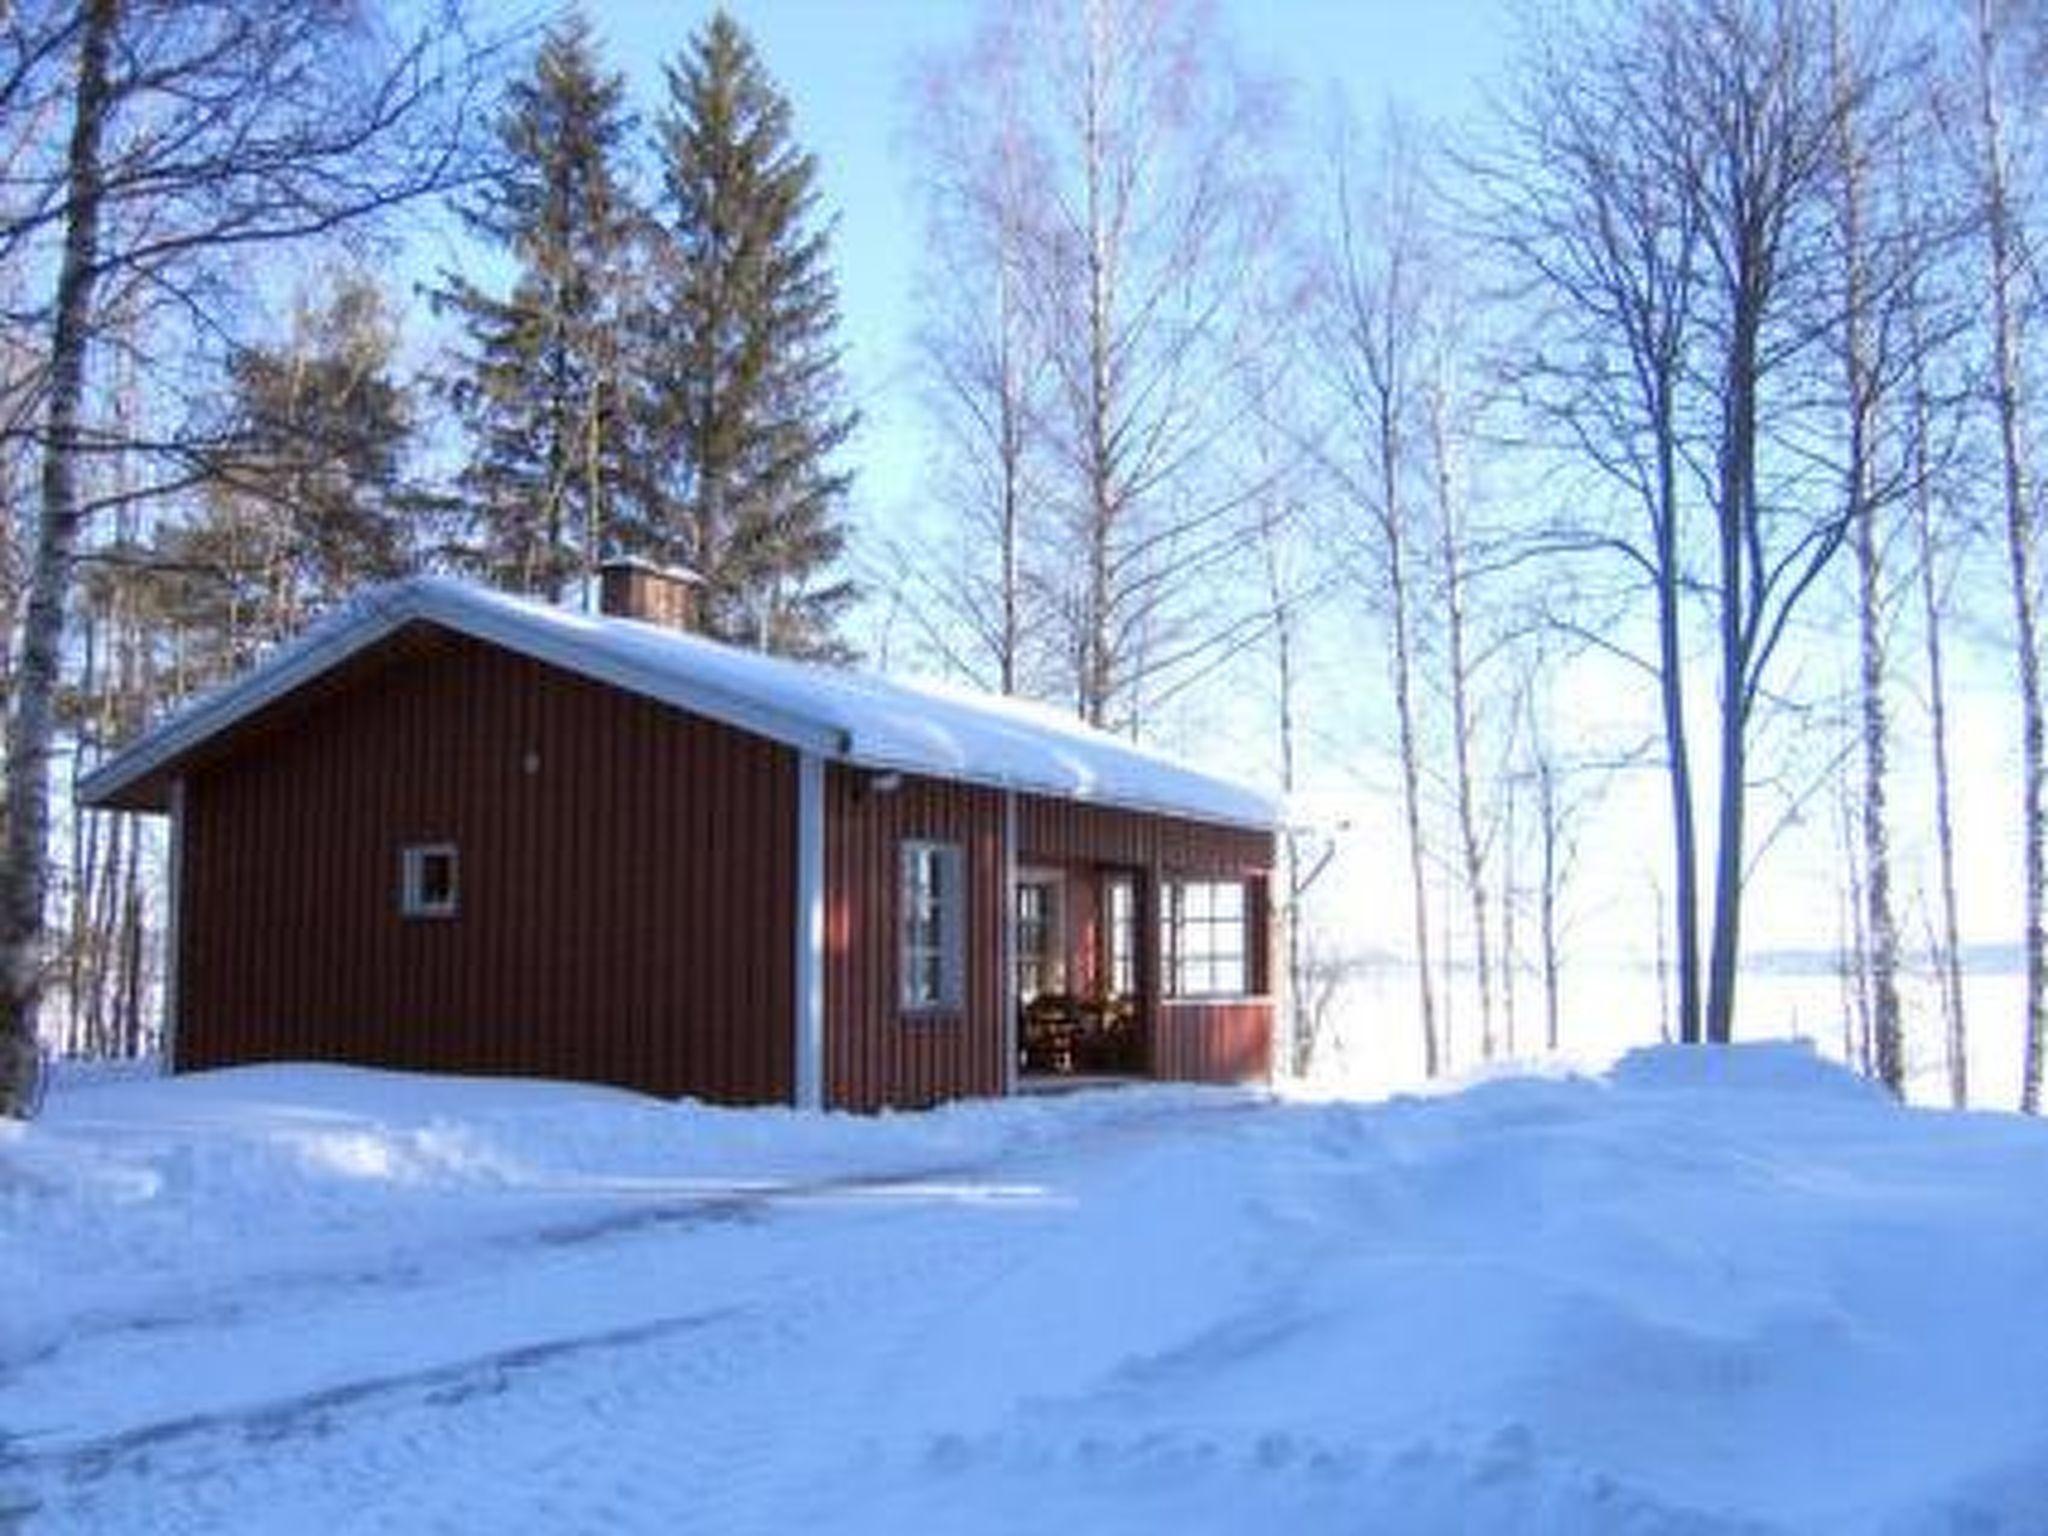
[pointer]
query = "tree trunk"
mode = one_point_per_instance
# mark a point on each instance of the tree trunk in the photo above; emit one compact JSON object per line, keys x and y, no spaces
{"x":1510,"y":958}
{"x":1096,"y":668}
{"x":24,"y":861}
{"x":1685,"y":857}
{"x":2002,"y":246}
{"x":1948,"y":950}
{"x":1546,"y":912}
{"x":1880,"y":925}
{"x":1300,"y":1033}
{"x":1740,"y":600}
{"x":1473,"y":850}
{"x":1403,"y":662}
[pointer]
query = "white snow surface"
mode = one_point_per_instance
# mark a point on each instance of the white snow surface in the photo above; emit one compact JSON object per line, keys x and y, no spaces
{"x":877,"y":722}
{"x":1705,"y":1292}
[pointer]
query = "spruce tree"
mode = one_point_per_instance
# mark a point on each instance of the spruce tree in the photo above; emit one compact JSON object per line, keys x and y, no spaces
{"x":548,"y":482}
{"x":743,"y":397}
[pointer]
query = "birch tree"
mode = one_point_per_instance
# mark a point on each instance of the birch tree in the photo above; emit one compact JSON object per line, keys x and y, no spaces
{"x":985,"y":372}
{"x":1374,"y":354}
{"x":2006,"y":272}
{"x":1156,"y":195}
{"x":197,"y":133}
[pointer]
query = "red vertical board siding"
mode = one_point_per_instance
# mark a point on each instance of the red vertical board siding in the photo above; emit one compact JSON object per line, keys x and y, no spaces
{"x":875,"y":1054}
{"x":625,"y":908}
{"x":1222,"y":1041}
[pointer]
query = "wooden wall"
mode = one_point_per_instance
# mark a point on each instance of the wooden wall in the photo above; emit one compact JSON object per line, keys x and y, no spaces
{"x":875,"y":1054}
{"x":627,"y":882}
{"x":628,"y":897}
{"x":1220,"y":1041}
{"x":1054,"y":831}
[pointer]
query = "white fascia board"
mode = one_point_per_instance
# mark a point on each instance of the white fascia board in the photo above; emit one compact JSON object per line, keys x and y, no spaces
{"x":1255,"y":814}
{"x":299,"y":663}
{"x":380,"y":613}
{"x":592,"y":659}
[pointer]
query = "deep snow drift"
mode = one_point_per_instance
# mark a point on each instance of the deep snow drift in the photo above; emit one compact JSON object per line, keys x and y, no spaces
{"x":1706,"y":1292}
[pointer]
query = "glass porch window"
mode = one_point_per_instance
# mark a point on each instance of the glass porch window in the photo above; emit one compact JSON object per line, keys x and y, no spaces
{"x":1120,"y":935}
{"x":1037,"y":965}
{"x":1202,"y":938}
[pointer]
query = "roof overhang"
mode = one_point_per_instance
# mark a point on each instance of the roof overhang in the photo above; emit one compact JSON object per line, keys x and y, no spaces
{"x":860,"y":720}
{"x":132,"y":778}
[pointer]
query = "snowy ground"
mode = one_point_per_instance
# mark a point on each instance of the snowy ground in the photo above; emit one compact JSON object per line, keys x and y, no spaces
{"x":1708,"y":1292}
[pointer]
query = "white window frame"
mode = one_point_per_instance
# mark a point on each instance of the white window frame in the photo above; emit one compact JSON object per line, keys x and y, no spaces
{"x":932,"y":927}
{"x":1053,"y":882}
{"x":1120,"y":931}
{"x":413,"y":899}
{"x":1194,"y":958}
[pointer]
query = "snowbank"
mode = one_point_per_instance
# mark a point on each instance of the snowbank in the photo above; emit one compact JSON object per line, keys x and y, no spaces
{"x":1705,"y":1292}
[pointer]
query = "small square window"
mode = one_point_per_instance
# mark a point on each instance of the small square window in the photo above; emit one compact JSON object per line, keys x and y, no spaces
{"x":428,"y":880}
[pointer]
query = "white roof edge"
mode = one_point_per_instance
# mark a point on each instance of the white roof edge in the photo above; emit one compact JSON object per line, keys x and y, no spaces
{"x":456,"y":608}
{"x":383,"y":610}
{"x":825,"y":713}
{"x":302,"y":660}
{"x":1251,"y":820}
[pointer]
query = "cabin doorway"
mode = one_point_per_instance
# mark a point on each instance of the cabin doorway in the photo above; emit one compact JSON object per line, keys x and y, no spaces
{"x":1074,"y":945}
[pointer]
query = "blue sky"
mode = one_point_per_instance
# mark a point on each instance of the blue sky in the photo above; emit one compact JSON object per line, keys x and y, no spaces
{"x":845,"y":64}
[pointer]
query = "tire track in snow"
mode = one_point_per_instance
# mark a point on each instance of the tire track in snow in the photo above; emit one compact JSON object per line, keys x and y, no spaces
{"x":812,"y":1295}
{"x":283,"y":1418}
{"x":640,"y":1207}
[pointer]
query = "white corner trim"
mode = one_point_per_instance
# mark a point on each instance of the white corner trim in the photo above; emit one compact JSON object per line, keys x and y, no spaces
{"x":174,"y":926}
{"x":1011,"y":1025}
{"x":810,"y":932}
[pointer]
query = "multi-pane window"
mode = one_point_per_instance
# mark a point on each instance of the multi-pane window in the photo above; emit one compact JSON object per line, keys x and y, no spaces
{"x":427,"y":880}
{"x":1202,"y":937}
{"x":1036,"y":932}
{"x":1120,"y":935}
{"x":934,"y":923}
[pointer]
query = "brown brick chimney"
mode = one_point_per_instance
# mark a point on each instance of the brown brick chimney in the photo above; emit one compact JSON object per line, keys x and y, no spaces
{"x":654,"y":594}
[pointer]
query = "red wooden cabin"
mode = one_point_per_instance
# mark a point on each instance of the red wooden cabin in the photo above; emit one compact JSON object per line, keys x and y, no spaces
{"x":452,"y":830}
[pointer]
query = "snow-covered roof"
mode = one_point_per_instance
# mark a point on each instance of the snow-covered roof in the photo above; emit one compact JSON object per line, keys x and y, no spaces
{"x":874,"y":722}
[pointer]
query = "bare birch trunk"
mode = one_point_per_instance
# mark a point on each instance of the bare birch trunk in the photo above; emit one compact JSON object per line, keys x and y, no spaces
{"x":1860,"y":1033}
{"x":1450,"y":547}
{"x":1547,"y":906}
{"x":1403,"y":665}
{"x":2002,"y":249}
{"x":31,"y":737}
{"x":1664,"y":1032}
{"x":1948,"y":947}
{"x":1097,"y":667}
{"x":1300,"y":1033}
{"x":1861,"y":381}
{"x":1510,"y":958}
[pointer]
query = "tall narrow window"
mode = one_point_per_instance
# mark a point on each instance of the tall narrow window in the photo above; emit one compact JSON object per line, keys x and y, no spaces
{"x":1120,"y":935}
{"x":1038,"y":968}
{"x":934,"y":926}
{"x":1202,"y":937}
{"x":428,"y":880}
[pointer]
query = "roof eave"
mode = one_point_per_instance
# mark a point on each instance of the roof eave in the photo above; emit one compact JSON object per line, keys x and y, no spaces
{"x":382,"y":613}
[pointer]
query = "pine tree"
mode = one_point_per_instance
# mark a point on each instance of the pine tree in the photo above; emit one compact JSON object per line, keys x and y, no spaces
{"x":742,"y":368}
{"x":306,"y":497}
{"x":549,"y":480}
